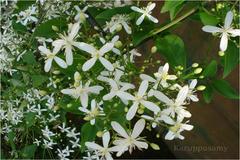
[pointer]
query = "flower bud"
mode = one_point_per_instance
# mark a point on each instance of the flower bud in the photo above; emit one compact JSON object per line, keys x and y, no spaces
{"x":197,"y":70}
{"x":42,"y":92}
{"x":119,"y":27}
{"x":158,"y":135}
{"x":118,"y":44}
{"x":69,"y":105}
{"x":56,"y":72}
{"x":99,"y":134}
{"x":140,"y":111}
{"x":154,"y":49}
{"x":201,"y":77}
{"x":126,"y":109}
{"x":194,"y":65}
{"x":77,"y":76}
{"x":201,"y":88}
{"x":55,"y":28}
{"x":221,"y":53}
{"x":155,"y":146}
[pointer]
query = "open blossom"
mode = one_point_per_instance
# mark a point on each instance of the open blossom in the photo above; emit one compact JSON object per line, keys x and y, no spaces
{"x":113,"y":41}
{"x":161,"y":77}
{"x":50,"y":56}
{"x":177,"y":128}
{"x":68,"y":41}
{"x":117,"y":22}
{"x":175,"y":106}
{"x":82,"y":91}
{"x":96,"y":54}
{"x":226,"y":31}
{"x":191,"y":95}
{"x":91,"y":114}
{"x":104,"y":151}
{"x":138,"y":99}
{"x":81,"y":15}
{"x":146,"y":12}
{"x":131,"y":140}
{"x":27,"y":16}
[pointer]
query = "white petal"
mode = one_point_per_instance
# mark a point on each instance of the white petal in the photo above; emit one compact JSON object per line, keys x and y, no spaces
{"x":60,"y":62}
{"x":224,"y":42}
{"x":106,"y":48}
{"x":92,"y":122}
{"x":211,"y":29}
{"x":140,"y":19}
{"x":169,"y":136}
{"x":234,"y":32}
{"x":151,"y":106}
{"x":155,"y":20}
{"x":194,"y":98}
{"x":84,"y":99}
{"x":108,"y":156}
{"x":182,"y":95}
{"x":106,"y":64}
{"x":228,"y":19}
{"x":187,"y":127}
{"x":167,"y":119}
{"x":95,"y":89}
{"x":137,"y":9}
{"x":74,"y":30}
{"x":147,"y":77}
{"x":162,"y":97}
{"x":138,"y":128}
{"x":68,"y":91}
{"x":113,"y":28}
{"x":125,"y":95}
{"x":89,"y":63}
{"x":165,"y":68}
{"x":141,"y":144}
{"x":44,"y":50}
{"x":93,"y":104}
{"x":132,"y":111}
{"x":86,"y":47}
{"x":69,"y":55}
{"x":48,"y":64}
{"x":117,"y":51}
{"x":58,"y":43}
{"x":151,"y":7}
{"x":119,"y":129}
{"x":115,"y":39}
{"x":82,"y":109}
{"x":143,"y":88}
{"x":193,"y":84}
{"x":127,"y":28}
{"x":171,"y":77}
{"x":113,"y":84}
{"x":106,"y":139}
{"x":109,"y":96}
{"x":93,"y":146}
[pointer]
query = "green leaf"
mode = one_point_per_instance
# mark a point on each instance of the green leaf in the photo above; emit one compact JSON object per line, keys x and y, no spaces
{"x":211,"y":69}
{"x":38,"y":80}
{"x":11,"y":136}
{"x":23,"y":5}
{"x":208,"y":19}
{"x":231,"y":58}
{"x":225,"y":89}
{"x":18,"y":27}
{"x":172,"y":48}
{"x":69,"y":104}
{"x":17,"y":83}
{"x":173,"y":7}
{"x":29,"y":151}
{"x":88,"y":134}
{"x":30,"y":119}
{"x":208,"y":94}
{"x":45,"y":29}
{"x":29,"y":58}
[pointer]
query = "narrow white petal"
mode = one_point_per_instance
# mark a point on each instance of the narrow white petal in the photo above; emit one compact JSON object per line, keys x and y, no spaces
{"x":162,"y":97}
{"x":143,"y":88}
{"x":60,"y":62}
{"x":165,"y":68}
{"x":155,"y":20}
{"x":44,"y":50}
{"x":106,"y":139}
{"x":228,"y":19}
{"x":95,"y":89}
{"x":151,"y":7}
{"x":224,"y":42}
{"x":193,"y":84}
{"x":119,"y":129}
{"x":187,"y":127}
{"x":125,"y":95}
{"x":169,"y":136}
{"x":194,"y":98}
{"x":108,"y":156}
{"x":106,"y":64}
{"x":88,"y":64}
{"x":138,"y":128}
{"x":171,"y":77}
{"x":140,"y":144}
{"x":82,"y":109}
{"x":127,"y":28}
{"x":147,"y":78}
{"x":69,"y":55}
{"x":140,"y":19}
{"x":74,"y":30}
{"x":84,"y":99}
{"x":86,"y":47}
{"x":151,"y":106}
{"x":58,"y":43}
{"x":93,"y":146}
{"x":182,"y":95}
{"x":211,"y":29}
{"x":48,"y":64}
{"x":106,"y":48}
{"x":137,"y":9}
{"x":234,"y":32}
{"x":68,"y":91}
{"x":109,"y":96}
{"x":132,"y":111}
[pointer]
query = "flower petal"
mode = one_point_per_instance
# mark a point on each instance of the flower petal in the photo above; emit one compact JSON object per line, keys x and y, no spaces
{"x":127,"y":28}
{"x":74,"y":30}
{"x":193,"y":84}
{"x":109,"y":96}
{"x":69,"y":55}
{"x":106,"y":48}
{"x":44,"y":50}
{"x":151,"y":106}
{"x":162,"y":97}
{"x":153,"y":19}
{"x":89,"y":63}
{"x":234,"y":32}
{"x":169,"y":136}
{"x":93,"y":146}
{"x":140,"y":144}
{"x":147,"y":78}
{"x":211,"y":29}
{"x":125,"y":95}
{"x":60,"y":62}
{"x":182,"y":95}
{"x":58,"y":43}
{"x":84,"y":99}
{"x":106,"y":139}
{"x":224,"y":42}
{"x":140,"y":19}
{"x":137,"y":9}
{"x":228,"y":19}
{"x":106,"y":64}
{"x":119,"y":129}
{"x":132,"y":111}
{"x":143,"y":88}
{"x":48,"y":64}
{"x":86,"y":47}
{"x":95,"y":89}
{"x":138,"y":128}
{"x":151,"y":7}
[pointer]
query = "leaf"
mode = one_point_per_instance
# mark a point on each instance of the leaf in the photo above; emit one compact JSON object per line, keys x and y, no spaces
{"x":29,"y":58}
{"x":208,"y":19}
{"x":208,"y":94}
{"x":172,"y":48}
{"x":88,"y":134}
{"x":225,"y":89}
{"x":69,"y":104}
{"x":45,"y":29}
{"x":38,"y":80}
{"x":173,"y":7}
{"x":211,"y":69}
{"x":17,"y":83}
{"x":23,"y":5}
{"x":30,"y":119}
{"x":18,"y":27}
{"x":231,"y":59}
{"x":29,"y":151}
{"x":11,"y":136}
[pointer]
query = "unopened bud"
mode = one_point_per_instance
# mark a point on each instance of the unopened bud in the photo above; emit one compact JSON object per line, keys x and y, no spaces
{"x":69,"y":105}
{"x":118,"y":44}
{"x":42,"y":92}
{"x":119,"y":27}
{"x":99,"y":133}
{"x":77,"y":76}
{"x":198,"y":70}
{"x":201,"y":88}
{"x":56,"y":72}
{"x":154,"y":49}
{"x":55,"y":28}
{"x":155,"y":146}
{"x":221,"y":53}
{"x":194,"y":65}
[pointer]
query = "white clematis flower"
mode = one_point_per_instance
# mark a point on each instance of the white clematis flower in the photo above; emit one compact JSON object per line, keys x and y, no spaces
{"x":68,"y":41}
{"x":96,"y":54}
{"x":113,"y":41}
{"x":191,"y":95}
{"x":140,"y":98}
{"x":95,"y":111}
{"x":174,"y":131}
{"x":146,"y":12}
{"x":81,"y":15}
{"x":27,"y":15}
{"x":131,"y":140}
{"x":104,"y":151}
{"x":82,"y":92}
{"x":175,"y":106}
{"x":50,"y":56}
{"x":226,"y":31}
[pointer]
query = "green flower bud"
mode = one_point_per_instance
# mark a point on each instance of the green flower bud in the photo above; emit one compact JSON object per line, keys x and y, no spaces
{"x":221,"y":53}
{"x":194,"y":65}
{"x":69,"y":105}
{"x":55,"y":28}
{"x":119,"y":27}
{"x":155,"y":146}
{"x":56,"y":72}
{"x":77,"y":76}
{"x":201,"y":77}
{"x":154,"y":49}
{"x":99,"y":134}
{"x":201,"y":88}
{"x":197,"y":70}
{"x":118,"y":44}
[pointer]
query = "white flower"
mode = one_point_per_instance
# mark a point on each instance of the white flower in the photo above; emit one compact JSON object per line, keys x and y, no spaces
{"x":37,"y":142}
{"x":113,"y":41}
{"x":27,"y":16}
{"x":117,"y":22}
{"x":50,"y":56}
{"x":68,"y":41}
{"x":161,"y":77}
{"x":95,"y":111}
{"x":64,"y":153}
{"x":174,"y":131}
{"x":75,"y":143}
{"x":82,"y":92}
{"x":48,"y":144}
{"x":47,"y":133}
{"x":104,"y":150}
{"x":175,"y":106}
{"x":97,"y":54}
{"x":63,"y":128}
{"x":146,"y":12}
{"x":226,"y":31}
{"x":134,"y":53}
{"x":72,"y":134}
{"x":191,"y":95}
{"x":81,"y":15}
{"x":140,"y":99}
{"x":131,"y":140}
